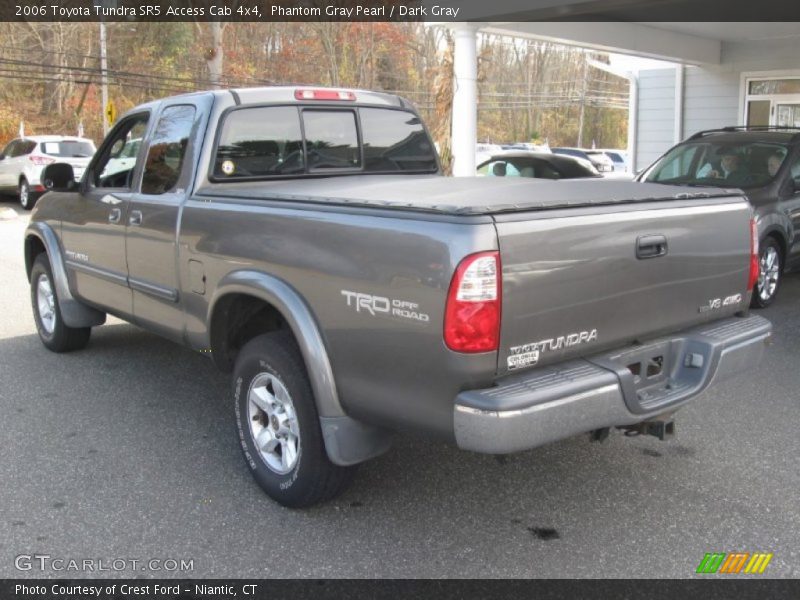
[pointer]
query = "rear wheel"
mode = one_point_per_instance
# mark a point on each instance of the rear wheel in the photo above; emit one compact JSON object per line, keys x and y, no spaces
{"x":770,"y":273}
{"x":26,"y":197}
{"x":55,"y":335}
{"x":278,"y":425}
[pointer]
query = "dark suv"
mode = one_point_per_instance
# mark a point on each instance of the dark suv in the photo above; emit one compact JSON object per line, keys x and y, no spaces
{"x":765,"y":163}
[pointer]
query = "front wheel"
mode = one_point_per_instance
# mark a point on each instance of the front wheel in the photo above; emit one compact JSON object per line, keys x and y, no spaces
{"x":278,"y":425}
{"x":53,"y":332}
{"x":770,"y":274}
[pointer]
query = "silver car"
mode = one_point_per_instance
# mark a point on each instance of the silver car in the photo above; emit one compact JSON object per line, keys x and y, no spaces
{"x":23,"y":159}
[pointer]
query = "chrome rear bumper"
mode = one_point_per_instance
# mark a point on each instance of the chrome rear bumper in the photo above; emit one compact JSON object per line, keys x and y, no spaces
{"x":551,"y":403}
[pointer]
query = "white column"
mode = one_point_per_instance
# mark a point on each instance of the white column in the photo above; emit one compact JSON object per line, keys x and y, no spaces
{"x":465,"y":100}
{"x":633,"y":122}
{"x":677,"y":133}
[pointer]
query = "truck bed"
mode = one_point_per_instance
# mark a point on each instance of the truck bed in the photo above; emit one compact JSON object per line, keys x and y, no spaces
{"x":457,"y":195}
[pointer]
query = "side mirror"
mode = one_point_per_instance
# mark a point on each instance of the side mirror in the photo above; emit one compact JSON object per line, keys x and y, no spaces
{"x":2,"y":156}
{"x":58,"y":177}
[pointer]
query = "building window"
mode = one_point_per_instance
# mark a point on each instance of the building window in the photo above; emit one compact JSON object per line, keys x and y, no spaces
{"x":763,"y":87}
{"x":772,"y":101}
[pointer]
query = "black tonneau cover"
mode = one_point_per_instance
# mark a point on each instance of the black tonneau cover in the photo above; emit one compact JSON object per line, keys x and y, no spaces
{"x":457,"y":195}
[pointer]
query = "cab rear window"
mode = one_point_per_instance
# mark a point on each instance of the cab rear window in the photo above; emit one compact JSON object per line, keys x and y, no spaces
{"x":280,"y":141}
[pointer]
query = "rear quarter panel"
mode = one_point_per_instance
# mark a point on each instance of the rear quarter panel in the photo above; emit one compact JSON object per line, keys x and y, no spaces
{"x":389,"y":370}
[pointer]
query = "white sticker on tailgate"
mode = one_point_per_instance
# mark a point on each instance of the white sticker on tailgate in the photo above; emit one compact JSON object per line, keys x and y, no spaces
{"x":525,"y":359}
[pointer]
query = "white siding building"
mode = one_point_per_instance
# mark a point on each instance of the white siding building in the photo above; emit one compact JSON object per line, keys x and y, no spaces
{"x":755,"y":83}
{"x":717,"y":75}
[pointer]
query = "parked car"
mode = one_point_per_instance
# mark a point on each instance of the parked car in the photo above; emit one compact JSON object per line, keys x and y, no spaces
{"x":619,"y":158}
{"x":539,"y":165}
{"x":597,"y":157}
{"x":528,"y":146}
{"x":23,"y":159}
{"x":765,"y":163}
{"x":484,"y":151}
{"x":307,"y":242}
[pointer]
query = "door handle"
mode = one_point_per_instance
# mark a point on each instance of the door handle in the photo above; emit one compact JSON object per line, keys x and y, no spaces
{"x":114,"y":215}
{"x":135,"y":218}
{"x":651,"y":246}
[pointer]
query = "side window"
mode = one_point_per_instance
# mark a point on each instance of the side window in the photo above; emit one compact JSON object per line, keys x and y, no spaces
{"x":681,"y":164}
{"x":502,"y":168}
{"x":114,"y":166}
{"x":542,"y":170}
{"x":26,"y":147}
{"x":795,"y":171}
{"x":10,"y":150}
{"x":165,"y":157}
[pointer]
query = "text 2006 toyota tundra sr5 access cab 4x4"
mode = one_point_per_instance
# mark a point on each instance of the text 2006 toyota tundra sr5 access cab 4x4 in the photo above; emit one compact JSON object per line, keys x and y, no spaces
{"x":306,"y":240}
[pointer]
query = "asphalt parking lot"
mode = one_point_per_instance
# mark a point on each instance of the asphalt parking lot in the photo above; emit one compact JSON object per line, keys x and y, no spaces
{"x":126,"y":450}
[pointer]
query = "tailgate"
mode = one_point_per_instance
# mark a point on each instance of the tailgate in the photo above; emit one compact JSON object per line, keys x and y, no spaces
{"x":577,"y":281}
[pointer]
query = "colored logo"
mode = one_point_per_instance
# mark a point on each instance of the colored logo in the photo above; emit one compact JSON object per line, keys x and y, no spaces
{"x":734,"y":562}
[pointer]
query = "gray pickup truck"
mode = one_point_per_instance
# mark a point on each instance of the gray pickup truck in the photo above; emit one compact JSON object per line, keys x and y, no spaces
{"x":306,"y":240}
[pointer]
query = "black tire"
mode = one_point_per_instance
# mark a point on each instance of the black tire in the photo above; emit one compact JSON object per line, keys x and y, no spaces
{"x":764,"y":293}
{"x":313,"y":478}
{"x":27,"y":198}
{"x":58,"y":337}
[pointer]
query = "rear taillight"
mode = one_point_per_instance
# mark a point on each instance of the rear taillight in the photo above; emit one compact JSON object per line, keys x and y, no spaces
{"x":41,"y":161}
{"x":324,"y":95}
{"x":472,"y":314}
{"x":754,"y":263}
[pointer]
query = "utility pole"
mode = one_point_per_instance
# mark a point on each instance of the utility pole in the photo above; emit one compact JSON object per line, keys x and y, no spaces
{"x":103,"y":74}
{"x":583,"y":102}
{"x":104,"y":59}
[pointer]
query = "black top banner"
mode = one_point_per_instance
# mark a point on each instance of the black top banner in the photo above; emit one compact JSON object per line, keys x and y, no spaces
{"x":446,"y":11}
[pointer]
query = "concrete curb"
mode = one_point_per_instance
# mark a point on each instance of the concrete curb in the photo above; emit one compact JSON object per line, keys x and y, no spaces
{"x":7,"y":214}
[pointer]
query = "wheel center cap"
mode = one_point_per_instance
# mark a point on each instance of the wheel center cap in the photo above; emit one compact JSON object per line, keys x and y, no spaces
{"x":273,"y":420}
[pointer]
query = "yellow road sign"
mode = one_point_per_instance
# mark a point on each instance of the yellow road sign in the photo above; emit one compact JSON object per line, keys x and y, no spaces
{"x":111,"y":112}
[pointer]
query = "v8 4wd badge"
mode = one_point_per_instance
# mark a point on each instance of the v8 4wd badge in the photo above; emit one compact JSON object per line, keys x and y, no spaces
{"x":717,"y":303}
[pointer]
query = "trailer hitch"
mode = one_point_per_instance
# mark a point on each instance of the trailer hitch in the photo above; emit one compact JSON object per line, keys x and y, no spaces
{"x":660,"y":428}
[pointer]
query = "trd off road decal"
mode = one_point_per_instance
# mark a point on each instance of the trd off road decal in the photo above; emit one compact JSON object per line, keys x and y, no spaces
{"x":72,"y":255}
{"x":381,"y":305}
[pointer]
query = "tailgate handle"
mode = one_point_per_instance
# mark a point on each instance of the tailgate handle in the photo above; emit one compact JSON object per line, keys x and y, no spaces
{"x":651,"y":246}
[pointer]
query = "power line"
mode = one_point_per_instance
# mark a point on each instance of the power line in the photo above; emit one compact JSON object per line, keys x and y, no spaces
{"x":125,"y":75}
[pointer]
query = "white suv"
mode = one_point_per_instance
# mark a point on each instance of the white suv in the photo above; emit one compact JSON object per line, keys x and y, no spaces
{"x":23,"y":160}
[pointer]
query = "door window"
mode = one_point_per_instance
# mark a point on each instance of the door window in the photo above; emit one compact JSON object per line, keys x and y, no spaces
{"x":165,"y":157}
{"x":114,"y":166}
{"x":541,"y":170}
{"x":499,"y":168}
